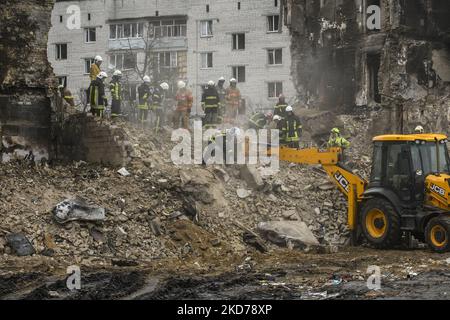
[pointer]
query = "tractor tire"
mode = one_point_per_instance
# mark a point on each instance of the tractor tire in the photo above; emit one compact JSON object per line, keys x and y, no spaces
{"x":380,"y":223}
{"x":437,"y":234}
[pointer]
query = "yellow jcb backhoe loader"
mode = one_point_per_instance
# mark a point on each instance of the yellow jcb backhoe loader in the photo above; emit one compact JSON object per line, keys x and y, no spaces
{"x":408,"y":192}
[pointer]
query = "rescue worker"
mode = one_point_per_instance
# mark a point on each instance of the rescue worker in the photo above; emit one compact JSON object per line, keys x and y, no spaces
{"x":259,"y":120}
{"x":144,"y":96}
{"x":210,"y":105}
{"x":95,"y":67}
{"x":292,"y":128}
{"x":419,"y":130}
{"x":164,"y":103}
{"x":280,"y":108}
{"x":66,"y":95}
{"x":337,"y":141}
{"x":222,"y":97}
{"x":278,"y":124}
{"x":156,"y":98}
{"x":184,"y":102}
{"x":98,"y":96}
{"x":233,"y":100}
{"x":229,"y":152}
{"x":115,"y":86}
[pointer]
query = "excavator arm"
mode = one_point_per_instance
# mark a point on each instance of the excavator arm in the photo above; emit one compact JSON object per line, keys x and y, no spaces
{"x":351,"y":185}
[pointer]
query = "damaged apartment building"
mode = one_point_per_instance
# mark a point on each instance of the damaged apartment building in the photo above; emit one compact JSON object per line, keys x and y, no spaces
{"x":391,"y":55}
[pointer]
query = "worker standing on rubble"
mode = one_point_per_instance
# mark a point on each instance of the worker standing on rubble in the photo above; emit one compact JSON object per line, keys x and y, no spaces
{"x":98,"y":96}
{"x":95,"y":68}
{"x":278,"y":125}
{"x":66,"y":95}
{"x":210,"y":105}
{"x":233,"y":100}
{"x":164,"y":103}
{"x":337,"y":141}
{"x":144,"y":99}
{"x":156,"y":98}
{"x":292,"y":128}
{"x":419,"y":130}
{"x":222,"y":97}
{"x":184,"y":105}
{"x":115,"y":86}
{"x":259,"y":120}
{"x":280,"y":108}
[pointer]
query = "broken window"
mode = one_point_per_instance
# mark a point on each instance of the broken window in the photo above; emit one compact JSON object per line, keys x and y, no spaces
{"x":275,"y":56}
{"x":239,"y":73}
{"x":273,"y":23}
{"x":238,"y":41}
{"x":373,"y":68}
{"x":62,"y":81}
{"x":61,"y":51}
{"x":275,"y":89}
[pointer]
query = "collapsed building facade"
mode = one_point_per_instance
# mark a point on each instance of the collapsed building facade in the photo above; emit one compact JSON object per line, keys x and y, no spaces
{"x":390,"y":54}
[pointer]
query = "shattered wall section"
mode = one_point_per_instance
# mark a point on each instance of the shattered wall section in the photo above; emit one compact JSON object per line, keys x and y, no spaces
{"x":403,"y":68}
{"x":25,"y":75}
{"x":82,"y":137}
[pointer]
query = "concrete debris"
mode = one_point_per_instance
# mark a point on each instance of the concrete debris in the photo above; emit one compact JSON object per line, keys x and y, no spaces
{"x":254,"y":241}
{"x":243,"y":193}
{"x":250,"y":174}
{"x":20,"y":245}
{"x":284,"y":233}
{"x":123,"y":172}
{"x":77,"y":209}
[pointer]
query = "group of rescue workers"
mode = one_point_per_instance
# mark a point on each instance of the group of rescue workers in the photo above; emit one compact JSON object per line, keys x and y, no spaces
{"x":220,"y":105}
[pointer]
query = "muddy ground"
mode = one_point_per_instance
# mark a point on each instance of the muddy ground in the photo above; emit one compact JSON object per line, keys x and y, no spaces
{"x":282,"y":274}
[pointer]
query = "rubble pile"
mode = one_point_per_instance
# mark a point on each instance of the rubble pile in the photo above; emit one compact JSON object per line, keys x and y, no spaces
{"x":159,"y":210}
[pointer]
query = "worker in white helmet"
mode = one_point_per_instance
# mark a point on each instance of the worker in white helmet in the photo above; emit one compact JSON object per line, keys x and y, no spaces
{"x":144,"y":96}
{"x":95,"y":68}
{"x":98,"y":95}
{"x":184,"y":101}
{"x":233,"y":100}
{"x":115,"y":87}
{"x":419,"y":130}
{"x":210,"y":106}
{"x":292,"y":128}
{"x":222,"y":96}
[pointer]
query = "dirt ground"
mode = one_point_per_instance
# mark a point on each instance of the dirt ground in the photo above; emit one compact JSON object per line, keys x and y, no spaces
{"x":282,"y":274}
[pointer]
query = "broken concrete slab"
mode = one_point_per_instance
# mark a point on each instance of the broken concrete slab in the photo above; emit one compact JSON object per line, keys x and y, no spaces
{"x":77,"y":209}
{"x":288,"y":233}
{"x":243,"y":193}
{"x":252,"y":177}
{"x":19,"y":244}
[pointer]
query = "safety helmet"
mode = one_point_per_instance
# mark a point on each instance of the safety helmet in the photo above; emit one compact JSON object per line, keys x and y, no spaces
{"x":102,"y":75}
{"x":419,"y":129}
{"x":98,"y":59}
{"x":164,"y":86}
{"x":233,"y":80}
{"x":211,"y":83}
{"x":234,"y":131}
{"x":146,"y":79}
{"x":221,"y":79}
{"x":269,"y":115}
{"x":181,"y":85}
{"x":289,"y":109}
{"x":117,"y":73}
{"x":335,"y":130}
{"x":277,"y":118}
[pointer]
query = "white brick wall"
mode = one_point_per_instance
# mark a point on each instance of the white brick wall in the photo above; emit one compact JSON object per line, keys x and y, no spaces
{"x":250,"y":19}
